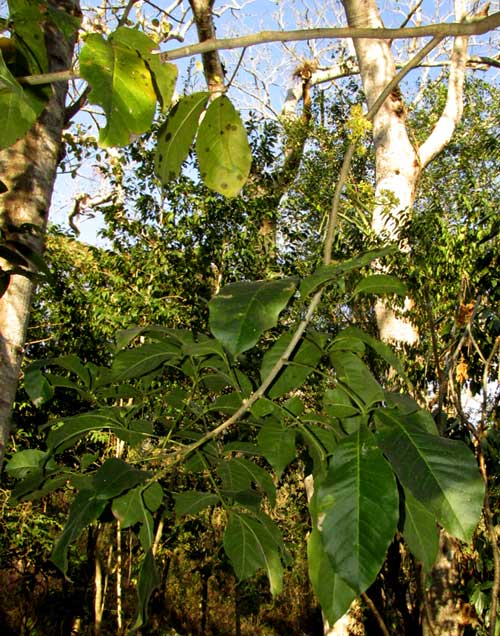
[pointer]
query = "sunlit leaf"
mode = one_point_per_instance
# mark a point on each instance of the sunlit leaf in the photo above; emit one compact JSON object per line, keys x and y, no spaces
{"x":122,"y":85}
{"x":222,"y":148}
{"x":163,"y":74}
{"x":20,"y":108}
{"x":177,"y":134}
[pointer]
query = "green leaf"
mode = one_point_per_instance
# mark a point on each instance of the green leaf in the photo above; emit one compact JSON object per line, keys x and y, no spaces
{"x":420,"y":532}
{"x":328,"y":273}
{"x":239,"y":473}
{"x":337,"y":404}
{"x":27,"y":19}
{"x":252,"y":545}
{"x":353,"y":373}
{"x":381,"y":349}
{"x":334,"y":595}
{"x":381,"y":284}
{"x":241,"y":312}
{"x":149,"y":580}
{"x":36,"y":385}
{"x":134,"y":363}
{"x":129,"y":508}
{"x":359,"y":498}
{"x":163,"y":75}
{"x":122,"y":85}
{"x":222,"y":148}
{"x":277,"y":444}
{"x":300,"y":365}
{"x":177,"y":134}
{"x":24,"y":462}
{"x":85,"y":509}
{"x":115,"y":476}
{"x":441,"y":473}
{"x":193,"y":501}
{"x":74,"y":428}
{"x":153,"y":496}
{"x":20,"y":108}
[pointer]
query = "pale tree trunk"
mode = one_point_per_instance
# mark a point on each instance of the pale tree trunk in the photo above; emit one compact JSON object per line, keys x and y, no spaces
{"x":398,"y":163}
{"x":28,"y":169}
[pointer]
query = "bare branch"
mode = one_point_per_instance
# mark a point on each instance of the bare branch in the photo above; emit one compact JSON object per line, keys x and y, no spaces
{"x":442,"y":30}
{"x":452,"y":113}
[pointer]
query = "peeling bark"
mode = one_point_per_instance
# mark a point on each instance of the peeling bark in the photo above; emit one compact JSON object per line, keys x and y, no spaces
{"x":28,"y":169}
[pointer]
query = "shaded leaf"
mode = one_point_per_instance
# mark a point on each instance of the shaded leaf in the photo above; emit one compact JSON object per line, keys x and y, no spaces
{"x":250,"y":546}
{"x":85,"y":509}
{"x":115,"y":476}
{"x":359,"y":498}
{"x":381,"y":284}
{"x":277,"y":444}
{"x":73,"y":428}
{"x":239,"y":473}
{"x":353,"y":373}
{"x":420,"y":532}
{"x":24,"y":462}
{"x":193,"y":501}
{"x":334,"y":595}
{"x":241,"y":312}
{"x":329,"y":273}
{"x":300,"y":364}
{"x":441,"y":473}
{"x":36,"y":385}
{"x":133,"y":363}
{"x":337,"y":404}
{"x":149,"y":580}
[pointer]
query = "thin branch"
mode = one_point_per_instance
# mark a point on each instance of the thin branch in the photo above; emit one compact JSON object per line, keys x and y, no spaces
{"x":411,"y":14}
{"x":376,"y":613}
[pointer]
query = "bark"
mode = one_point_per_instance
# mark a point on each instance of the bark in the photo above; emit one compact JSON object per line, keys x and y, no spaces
{"x":29,"y":169}
{"x":398,"y":163}
{"x":212,"y":65}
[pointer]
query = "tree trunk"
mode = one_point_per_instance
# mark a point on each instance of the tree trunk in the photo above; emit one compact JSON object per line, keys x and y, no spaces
{"x":28,"y":169}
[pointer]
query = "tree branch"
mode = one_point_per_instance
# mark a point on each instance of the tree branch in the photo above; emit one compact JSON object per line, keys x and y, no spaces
{"x":452,"y":112}
{"x":442,"y":30}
